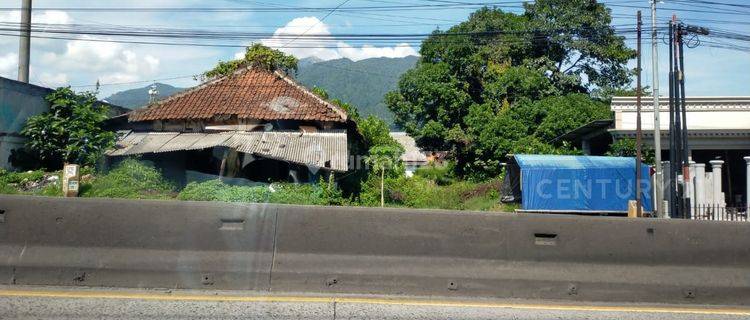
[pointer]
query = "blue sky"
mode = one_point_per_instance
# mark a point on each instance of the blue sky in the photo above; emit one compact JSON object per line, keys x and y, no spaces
{"x":120,"y":66}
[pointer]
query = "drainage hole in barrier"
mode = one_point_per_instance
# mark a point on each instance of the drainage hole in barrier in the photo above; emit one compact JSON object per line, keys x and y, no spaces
{"x":232,"y":224}
{"x":452,"y":285}
{"x":2,"y":216}
{"x":545,"y":239}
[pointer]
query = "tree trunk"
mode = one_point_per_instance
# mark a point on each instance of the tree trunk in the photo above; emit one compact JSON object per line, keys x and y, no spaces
{"x":382,"y":182}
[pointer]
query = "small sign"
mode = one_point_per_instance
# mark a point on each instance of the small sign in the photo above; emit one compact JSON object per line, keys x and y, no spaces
{"x":70,"y":180}
{"x":71,"y":170}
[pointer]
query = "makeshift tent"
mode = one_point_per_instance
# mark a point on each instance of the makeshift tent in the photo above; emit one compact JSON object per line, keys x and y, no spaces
{"x":574,"y":183}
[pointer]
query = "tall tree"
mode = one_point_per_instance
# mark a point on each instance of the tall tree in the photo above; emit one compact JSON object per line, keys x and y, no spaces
{"x":481,"y":87}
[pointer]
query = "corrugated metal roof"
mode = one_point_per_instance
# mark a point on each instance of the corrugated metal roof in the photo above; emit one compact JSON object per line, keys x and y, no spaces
{"x":150,"y":142}
{"x":183,"y":141}
{"x":318,"y":149}
{"x":212,"y":140}
{"x":412,"y":153}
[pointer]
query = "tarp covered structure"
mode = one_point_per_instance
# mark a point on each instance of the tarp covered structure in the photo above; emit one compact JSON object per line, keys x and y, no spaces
{"x":575,"y":183}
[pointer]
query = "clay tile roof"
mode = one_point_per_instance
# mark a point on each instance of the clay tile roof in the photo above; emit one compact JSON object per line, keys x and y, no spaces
{"x":249,"y":93}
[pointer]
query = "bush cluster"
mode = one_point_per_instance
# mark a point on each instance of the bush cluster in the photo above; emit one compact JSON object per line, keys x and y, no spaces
{"x":130,"y":179}
{"x":323,"y":193}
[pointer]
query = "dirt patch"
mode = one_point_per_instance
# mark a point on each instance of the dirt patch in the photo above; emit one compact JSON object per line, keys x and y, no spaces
{"x":481,"y":190}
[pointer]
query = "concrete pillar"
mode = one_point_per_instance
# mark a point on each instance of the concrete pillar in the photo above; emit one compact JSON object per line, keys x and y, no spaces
{"x":699,"y":188}
{"x":718,"y":196}
{"x":747,"y":186}
{"x":586,"y":146}
{"x":690,"y":187}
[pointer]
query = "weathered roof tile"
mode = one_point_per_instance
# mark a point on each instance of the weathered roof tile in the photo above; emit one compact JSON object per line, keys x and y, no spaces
{"x":249,"y":93}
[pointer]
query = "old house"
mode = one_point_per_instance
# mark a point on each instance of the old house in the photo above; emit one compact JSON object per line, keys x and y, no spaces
{"x":254,"y":124}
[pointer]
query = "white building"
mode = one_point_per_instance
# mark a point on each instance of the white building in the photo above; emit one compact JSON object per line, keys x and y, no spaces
{"x":413,"y":156}
{"x":718,"y":139}
{"x":718,"y":142}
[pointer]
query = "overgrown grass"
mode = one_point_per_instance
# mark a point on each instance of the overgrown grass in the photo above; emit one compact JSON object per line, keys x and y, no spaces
{"x":431,"y":187}
{"x":322,"y":193}
{"x":130,"y":179}
{"x":419,"y":192}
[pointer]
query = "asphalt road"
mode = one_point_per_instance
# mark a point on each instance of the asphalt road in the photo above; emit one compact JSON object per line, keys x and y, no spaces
{"x":82,"y":303}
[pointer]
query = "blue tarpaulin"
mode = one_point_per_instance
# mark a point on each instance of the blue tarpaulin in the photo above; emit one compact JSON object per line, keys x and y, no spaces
{"x":580,"y":183}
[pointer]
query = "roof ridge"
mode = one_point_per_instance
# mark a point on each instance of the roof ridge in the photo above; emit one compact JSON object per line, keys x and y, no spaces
{"x":304,"y":89}
{"x":186,"y":92}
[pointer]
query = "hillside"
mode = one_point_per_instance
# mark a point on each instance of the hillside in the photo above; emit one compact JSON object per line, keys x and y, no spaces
{"x":135,"y":98}
{"x":362,"y":83}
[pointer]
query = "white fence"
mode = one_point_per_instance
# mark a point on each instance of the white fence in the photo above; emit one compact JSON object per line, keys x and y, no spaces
{"x":704,"y":188}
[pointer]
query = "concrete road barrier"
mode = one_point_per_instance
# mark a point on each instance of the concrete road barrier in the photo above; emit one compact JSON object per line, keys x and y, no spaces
{"x":103,"y":242}
{"x":107,"y":242}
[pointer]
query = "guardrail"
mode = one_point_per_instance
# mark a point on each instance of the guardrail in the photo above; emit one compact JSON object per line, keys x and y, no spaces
{"x":281,"y":248}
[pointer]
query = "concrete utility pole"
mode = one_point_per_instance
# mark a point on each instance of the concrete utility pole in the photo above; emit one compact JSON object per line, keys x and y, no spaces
{"x":638,"y":173}
{"x":24,"y":43}
{"x":658,"y":176}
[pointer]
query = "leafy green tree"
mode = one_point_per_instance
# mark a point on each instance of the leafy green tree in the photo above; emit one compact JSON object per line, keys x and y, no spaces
{"x":71,"y":131}
{"x":485,"y":84}
{"x":256,"y":55}
{"x":626,"y":148}
{"x":565,"y":113}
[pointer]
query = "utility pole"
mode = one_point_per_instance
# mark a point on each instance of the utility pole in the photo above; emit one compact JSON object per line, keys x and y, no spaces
{"x":658,"y":175}
{"x":638,"y":173}
{"x":679,"y":152}
{"x":24,"y":42}
{"x":683,"y":120}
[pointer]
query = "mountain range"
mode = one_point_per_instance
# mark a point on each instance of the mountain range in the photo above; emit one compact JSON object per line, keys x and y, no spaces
{"x":361,"y":83}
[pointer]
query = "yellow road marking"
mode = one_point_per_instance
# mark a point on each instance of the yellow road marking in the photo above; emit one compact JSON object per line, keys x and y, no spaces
{"x":381,"y":301}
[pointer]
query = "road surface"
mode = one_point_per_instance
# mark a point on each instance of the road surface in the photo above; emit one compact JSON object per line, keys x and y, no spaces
{"x":20,"y":302}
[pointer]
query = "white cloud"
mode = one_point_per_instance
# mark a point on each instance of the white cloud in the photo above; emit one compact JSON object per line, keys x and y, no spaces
{"x":40,"y":19}
{"x":44,"y":17}
{"x":325,"y":46}
{"x":8,"y":64}
{"x":110,"y":62}
{"x":54,"y":80}
{"x":290,"y":39}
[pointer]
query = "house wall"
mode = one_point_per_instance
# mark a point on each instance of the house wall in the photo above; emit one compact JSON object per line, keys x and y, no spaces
{"x":696,"y":119}
{"x":18,"y":102}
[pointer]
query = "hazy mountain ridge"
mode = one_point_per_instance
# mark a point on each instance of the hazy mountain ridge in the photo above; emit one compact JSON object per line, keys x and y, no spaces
{"x":362,"y":83}
{"x":135,"y":98}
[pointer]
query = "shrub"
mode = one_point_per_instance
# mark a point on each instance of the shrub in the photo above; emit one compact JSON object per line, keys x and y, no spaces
{"x":440,"y":174}
{"x":243,"y":194}
{"x":131,"y":179}
{"x":201,"y":191}
{"x":324,"y":193}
